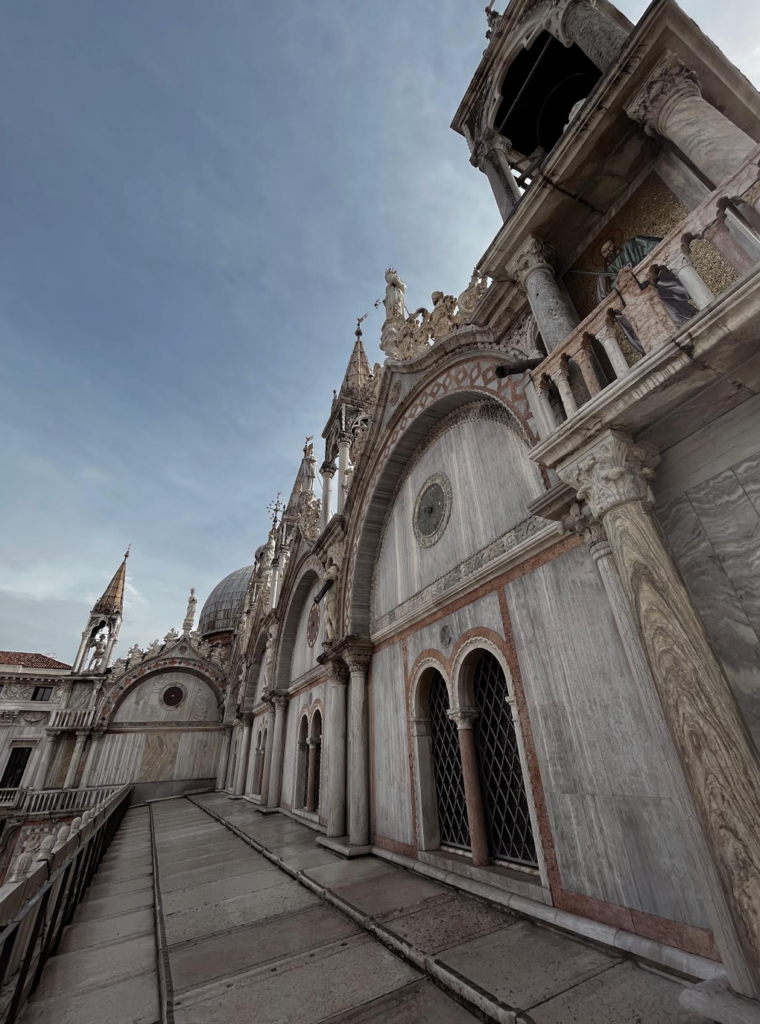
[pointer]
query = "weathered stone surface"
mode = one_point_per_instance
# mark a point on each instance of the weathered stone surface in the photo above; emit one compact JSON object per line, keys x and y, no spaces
{"x":450,"y":924}
{"x":92,"y":933}
{"x":242,"y":910}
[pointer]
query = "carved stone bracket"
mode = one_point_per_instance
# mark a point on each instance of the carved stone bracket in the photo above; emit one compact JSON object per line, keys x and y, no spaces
{"x":611,"y":471}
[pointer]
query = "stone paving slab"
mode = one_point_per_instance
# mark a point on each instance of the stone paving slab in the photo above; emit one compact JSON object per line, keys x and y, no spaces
{"x":418,"y":1003}
{"x":88,"y":969}
{"x":99,"y":891}
{"x":208,"y":873}
{"x":265,"y":941}
{"x":391,"y":894}
{"x":94,"y":910}
{"x":122,"y":874}
{"x":223,"y":889}
{"x":134,"y":1001}
{"x":443,"y":925}
{"x":306,"y":988}
{"x":342,"y":872}
{"x":91,"y":933}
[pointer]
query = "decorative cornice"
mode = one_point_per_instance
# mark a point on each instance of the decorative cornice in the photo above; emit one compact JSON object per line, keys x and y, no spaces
{"x":613,"y":470}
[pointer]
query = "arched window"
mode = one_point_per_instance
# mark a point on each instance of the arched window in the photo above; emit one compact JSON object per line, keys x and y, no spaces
{"x":510,"y":834}
{"x":302,"y":763}
{"x":262,"y":757}
{"x":315,"y":762}
{"x":447,"y":767}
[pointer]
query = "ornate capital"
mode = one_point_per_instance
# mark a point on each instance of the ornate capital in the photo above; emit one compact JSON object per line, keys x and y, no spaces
{"x":579,"y":520}
{"x":358,"y":657}
{"x":464,"y":717}
{"x":611,"y":471}
{"x":488,"y":143}
{"x":329,"y":468}
{"x":669,"y":83}
{"x":280,"y":701}
{"x":680,"y":262}
{"x":336,"y":671}
{"x":534,"y":255}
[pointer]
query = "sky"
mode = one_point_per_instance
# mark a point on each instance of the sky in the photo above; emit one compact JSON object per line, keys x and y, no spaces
{"x":198,"y":198}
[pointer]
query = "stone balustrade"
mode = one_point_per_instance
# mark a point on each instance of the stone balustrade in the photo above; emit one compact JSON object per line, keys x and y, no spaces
{"x":635,"y":298}
{"x":65,"y":801}
{"x":72,"y":719}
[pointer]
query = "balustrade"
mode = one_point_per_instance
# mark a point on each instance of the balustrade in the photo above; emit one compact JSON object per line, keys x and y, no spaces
{"x":636,"y":297}
{"x":62,"y":801}
{"x":72,"y":719}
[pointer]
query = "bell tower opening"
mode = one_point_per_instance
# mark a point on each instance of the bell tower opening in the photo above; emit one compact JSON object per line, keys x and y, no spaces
{"x":543,"y":84}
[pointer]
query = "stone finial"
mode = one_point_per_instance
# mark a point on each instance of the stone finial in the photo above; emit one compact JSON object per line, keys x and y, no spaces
{"x":76,"y":825}
{"x":21,"y":867}
{"x":669,"y":82}
{"x":535,"y":254}
{"x":45,"y":853}
{"x":63,"y":834}
{"x":613,"y":470}
{"x":192,"y":603}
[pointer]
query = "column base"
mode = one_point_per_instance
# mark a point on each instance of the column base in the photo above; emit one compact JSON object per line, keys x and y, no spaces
{"x":267,"y":810}
{"x":342,"y":846}
{"x":715,"y":1001}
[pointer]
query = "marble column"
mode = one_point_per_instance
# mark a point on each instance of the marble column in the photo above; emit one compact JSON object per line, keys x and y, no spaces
{"x":266,"y":772}
{"x":689,"y":277}
{"x":224,"y":756}
{"x":311,"y":785}
{"x":106,"y":659}
{"x":561,"y":379}
{"x":584,"y":24}
{"x":253,"y":765}
{"x":344,"y":446}
{"x":76,"y":757}
{"x":476,"y":815}
{"x":335,"y":737}
{"x":671,"y":105}
{"x":89,"y":764}
{"x":608,"y":340}
{"x":533,"y":269}
{"x":48,"y":749}
{"x":543,"y":412}
{"x":278,"y":743}
{"x":490,"y":155}
{"x":242,"y":761}
{"x":357,"y":659}
{"x":274,"y":583}
{"x":81,"y":652}
{"x":721,"y":769}
{"x":328,"y":472}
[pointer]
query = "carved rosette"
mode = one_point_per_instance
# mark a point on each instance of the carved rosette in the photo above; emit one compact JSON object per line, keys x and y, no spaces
{"x":534,"y":255}
{"x":613,"y":471}
{"x":670,"y":82}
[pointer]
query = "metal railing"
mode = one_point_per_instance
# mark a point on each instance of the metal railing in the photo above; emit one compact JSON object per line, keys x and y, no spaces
{"x":72,"y":719}
{"x":40,"y":899}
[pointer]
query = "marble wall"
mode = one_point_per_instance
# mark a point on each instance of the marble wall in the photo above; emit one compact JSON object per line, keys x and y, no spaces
{"x":144,"y":703}
{"x":156,"y":755}
{"x":484,"y":612}
{"x":391,"y":790}
{"x":610,"y":810}
{"x":305,"y":656}
{"x":489,"y":497}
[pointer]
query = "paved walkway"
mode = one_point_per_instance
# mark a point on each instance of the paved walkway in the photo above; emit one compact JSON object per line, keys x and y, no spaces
{"x":261,"y":925}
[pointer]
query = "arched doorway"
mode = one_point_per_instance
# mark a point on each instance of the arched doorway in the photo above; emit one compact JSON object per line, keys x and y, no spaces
{"x":302,"y":764}
{"x":262,"y":752}
{"x":447,"y":767}
{"x":315,"y":762}
{"x":508,"y":824}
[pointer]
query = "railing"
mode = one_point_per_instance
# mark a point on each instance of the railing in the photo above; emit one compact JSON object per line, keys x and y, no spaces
{"x":10,"y":797}
{"x":40,"y":897}
{"x":636,"y":298}
{"x":61,"y":801}
{"x":72,"y":719}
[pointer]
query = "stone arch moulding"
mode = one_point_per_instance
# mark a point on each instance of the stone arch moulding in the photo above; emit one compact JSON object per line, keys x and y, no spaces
{"x":452,"y":387}
{"x":130,"y":682}
{"x":463,"y":661}
{"x":309,"y":572}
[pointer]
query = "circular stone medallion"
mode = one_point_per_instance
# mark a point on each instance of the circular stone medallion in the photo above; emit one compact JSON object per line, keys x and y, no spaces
{"x":173,"y":696}
{"x":312,"y":626}
{"x":432,"y":510}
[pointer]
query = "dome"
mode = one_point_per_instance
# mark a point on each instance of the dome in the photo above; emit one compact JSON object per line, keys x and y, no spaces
{"x":225,"y":602}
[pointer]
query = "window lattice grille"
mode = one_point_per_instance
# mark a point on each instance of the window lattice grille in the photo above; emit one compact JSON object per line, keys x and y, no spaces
{"x":317,"y":774}
{"x":510,"y":835}
{"x":447,"y":764}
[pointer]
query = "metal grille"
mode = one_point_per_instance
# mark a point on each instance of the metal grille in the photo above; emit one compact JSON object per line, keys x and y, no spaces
{"x":447,"y":765}
{"x":317,"y":773}
{"x":510,"y":835}
{"x":305,"y":780}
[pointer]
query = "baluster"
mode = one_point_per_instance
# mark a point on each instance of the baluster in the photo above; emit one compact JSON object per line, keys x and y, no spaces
{"x":689,"y":276}
{"x":584,"y":360}
{"x":560,"y":378}
{"x":608,"y":340}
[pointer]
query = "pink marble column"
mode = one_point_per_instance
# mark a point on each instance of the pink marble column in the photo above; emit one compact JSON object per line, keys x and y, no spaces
{"x":311,"y":785}
{"x":476,"y":815}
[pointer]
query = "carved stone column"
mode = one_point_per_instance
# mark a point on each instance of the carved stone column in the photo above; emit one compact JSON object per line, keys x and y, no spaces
{"x":268,"y":756}
{"x":254,"y":758}
{"x":335,"y":737}
{"x":671,"y":104}
{"x":81,"y":652}
{"x":561,"y":379}
{"x":490,"y":155}
{"x":328,"y":472}
{"x":358,"y":658}
{"x":688,"y":275}
{"x":584,"y":24}
{"x":76,"y":757}
{"x":533,"y":268}
{"x":611,"y":474}
{"x":311,"y":782}
{"x":274,"y":583}
{"x":344,"y":447}
{"x":224,"y":757}
{"x":242,"y":761}
{"x":278,"y":744}
{"x":92,"y":750}
{"x":547,"y":421}
{"x":476,"y":815}
{"x":606,"y":337}
{"x":48,"y":749}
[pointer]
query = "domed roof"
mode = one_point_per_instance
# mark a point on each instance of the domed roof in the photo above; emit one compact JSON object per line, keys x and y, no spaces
{"x":225,"y":602}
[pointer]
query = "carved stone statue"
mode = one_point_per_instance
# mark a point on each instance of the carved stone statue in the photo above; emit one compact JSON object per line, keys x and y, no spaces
{"x":97,"y":652}
{"x":310,"y":516}
{"x":153,"y":649}
{"x":171,"y":636}
{"x":135,"y":654}
{"x":271,"y":652}
{"x":395,"y":308}
{"x":192,"y":603}
{"x":443,"y":320}
{"x":472,"y":295}
{"x":331,"y":602}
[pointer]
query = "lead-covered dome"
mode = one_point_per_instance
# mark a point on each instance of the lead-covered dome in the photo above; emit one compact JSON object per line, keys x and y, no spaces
{"x":225,"y":602}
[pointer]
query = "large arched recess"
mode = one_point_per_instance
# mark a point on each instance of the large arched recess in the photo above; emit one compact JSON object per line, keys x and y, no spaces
{"x":308,"y":573}
{"x":255,"y":658}
{"x":162,"y":668}
{"x":436,"y":397}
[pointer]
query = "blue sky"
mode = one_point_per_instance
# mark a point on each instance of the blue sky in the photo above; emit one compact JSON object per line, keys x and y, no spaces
{"x":198,"y":198}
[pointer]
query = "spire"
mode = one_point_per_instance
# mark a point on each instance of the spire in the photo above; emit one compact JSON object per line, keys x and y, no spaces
{"x":358,"y":373}
{"x":112,"y":601}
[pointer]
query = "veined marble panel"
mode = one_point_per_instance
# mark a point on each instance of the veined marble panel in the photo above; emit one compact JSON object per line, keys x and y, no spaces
{"x":118,"y":759}
{"x":159,"y":755}
{"x":197,"y":754}
{"x":612,"y":816}
{"x":492,"y":480}
{"x":483,"y":612}
{"x":144,"y":704}
{"x":390,"y":760}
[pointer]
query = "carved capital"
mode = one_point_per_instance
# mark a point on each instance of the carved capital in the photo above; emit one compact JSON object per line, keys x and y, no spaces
{"x":328,"y":468}
{"x":486,"y":145}
{"x":611,"y":471}
{"x":358,"y":657}
{"x":579,"y":520}
{"x":280,"y":701}
{"x":680,"y":262}
{"x":669,"y":83}
{"x":464,"y":717}
{"x":535,"y":254}
{"x":336,"y":671}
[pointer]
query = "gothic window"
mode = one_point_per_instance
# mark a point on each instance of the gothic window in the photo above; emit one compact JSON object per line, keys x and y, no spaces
{"x":540,"y":89}
{"x":510,"y":835}
{"x":447,"y":765}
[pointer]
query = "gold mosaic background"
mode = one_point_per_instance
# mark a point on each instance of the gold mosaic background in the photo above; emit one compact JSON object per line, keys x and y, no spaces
{"x":652,"y":210}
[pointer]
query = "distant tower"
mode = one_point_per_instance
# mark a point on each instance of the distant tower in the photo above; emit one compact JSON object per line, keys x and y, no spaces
{"x":103,"y":624}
